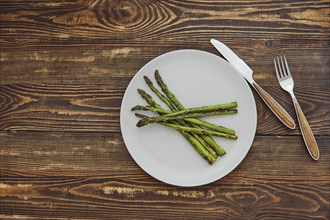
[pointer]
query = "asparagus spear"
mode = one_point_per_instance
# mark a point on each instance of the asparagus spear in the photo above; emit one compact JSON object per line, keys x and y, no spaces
{"x":192,"y":120}
{"x":148,"y":99}
{"x":209,"y":108}
{"x":211,"y":126}
{"x":198,"y":143}
{"x":179,"y":106}
{"x":151,"y":109}
{"x":190,"y":112}
{"x":203,"y":109}
{"x":167,"y":92}
{"x":190,"y":129}
{"x":198,"y":130}
{"x":160,"y":95}
{"x":169,"y":117}
{"x":199,"y":147}
{"x":208,"y":139}
{"x":202,"y":141}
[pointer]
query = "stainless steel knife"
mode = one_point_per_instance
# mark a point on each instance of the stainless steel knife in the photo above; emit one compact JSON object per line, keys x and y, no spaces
{"x":247,"y":73}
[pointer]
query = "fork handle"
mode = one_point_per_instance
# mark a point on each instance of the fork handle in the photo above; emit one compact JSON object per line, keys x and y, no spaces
{"x":306,"y":131}
{"x":276,"y":108}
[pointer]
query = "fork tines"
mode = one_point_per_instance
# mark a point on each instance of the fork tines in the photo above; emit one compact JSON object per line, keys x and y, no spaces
{"x":282,"y":71}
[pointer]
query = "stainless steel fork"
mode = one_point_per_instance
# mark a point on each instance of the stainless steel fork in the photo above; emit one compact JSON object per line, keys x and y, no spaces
{"x":285,"y":79}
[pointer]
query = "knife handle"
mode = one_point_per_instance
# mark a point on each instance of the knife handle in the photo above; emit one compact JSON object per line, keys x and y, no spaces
{"x":276,"y":108}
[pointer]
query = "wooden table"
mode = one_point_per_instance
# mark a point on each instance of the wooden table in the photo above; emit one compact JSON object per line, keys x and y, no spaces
{"x":66,"y":64}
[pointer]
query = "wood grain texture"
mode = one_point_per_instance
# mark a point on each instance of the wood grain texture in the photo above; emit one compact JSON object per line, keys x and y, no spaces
{"x":55,"y":175}
{"x":86,"y":21}
{"x":96,"y":108}
{"x":43,"y":153}
{"x":65,"y":108}
{"x":88,"y":41}
{"x":104,"y":64}
{"x":64,"y":67}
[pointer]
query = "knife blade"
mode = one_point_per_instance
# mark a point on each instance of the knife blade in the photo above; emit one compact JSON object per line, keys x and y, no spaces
{"x":247,"y":73}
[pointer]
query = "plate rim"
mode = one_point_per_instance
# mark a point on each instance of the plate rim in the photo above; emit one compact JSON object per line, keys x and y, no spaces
{"x":209,"y":180}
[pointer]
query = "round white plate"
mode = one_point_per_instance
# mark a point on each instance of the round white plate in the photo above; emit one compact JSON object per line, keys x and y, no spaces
{"x":197,"y":78}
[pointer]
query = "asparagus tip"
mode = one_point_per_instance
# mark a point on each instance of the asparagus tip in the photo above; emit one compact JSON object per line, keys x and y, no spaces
{"x":141,"y":123}
{"x":146,"y":79}
{"x":134,"y":108}
{"x":157,"y":75}
{"x":140,"y":115}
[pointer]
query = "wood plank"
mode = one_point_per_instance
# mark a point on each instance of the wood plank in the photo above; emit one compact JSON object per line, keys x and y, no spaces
{"x":96,"y":108}
{"x":96,"y":64}
{"x":89,"y":198}
{"x":84,"y":22}
{"x":74,"y":154}
{"x":54,"y":175}
{"x":89,"y":42}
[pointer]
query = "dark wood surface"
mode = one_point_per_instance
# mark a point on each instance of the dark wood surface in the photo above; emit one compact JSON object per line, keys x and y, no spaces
{"x":65,"y":65}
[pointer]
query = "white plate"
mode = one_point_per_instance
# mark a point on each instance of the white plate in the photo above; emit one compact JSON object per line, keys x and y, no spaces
{"x":197,"y":78}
